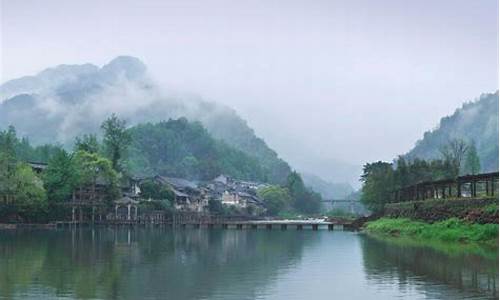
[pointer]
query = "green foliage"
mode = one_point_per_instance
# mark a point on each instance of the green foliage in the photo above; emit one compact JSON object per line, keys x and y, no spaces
{"x":472,"y":163}
{"x":340,"y":213}
{"x":88,"y":143}
{"x":276,"y":198}
{"x":491,"y":209}
{"x":451,"y":230}
{"x":20,"y":149}
{"x":215,"y":206}
{"x":116,"y":140}
{"x":378,"y":181}
{"x":183,"y":149}
{"x":92,"y":167}
{"x":18,"y":182}
{"x":29,"y":194}
{"x":303,"y":199}
{"x":60,"y":178}
{"x":454,"y":152}
{"x":151,"y":189}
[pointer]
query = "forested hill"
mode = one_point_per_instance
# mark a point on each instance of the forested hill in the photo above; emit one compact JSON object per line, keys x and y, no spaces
{"x":66,"y":101}
{"x":476,"y":122}
{"x":185,"y":149}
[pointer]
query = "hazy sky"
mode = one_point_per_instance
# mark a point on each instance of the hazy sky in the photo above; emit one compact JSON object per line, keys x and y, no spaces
{"x":351,"y":81}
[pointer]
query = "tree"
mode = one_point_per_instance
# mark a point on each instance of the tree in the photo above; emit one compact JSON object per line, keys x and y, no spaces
{"x":304,"y":200}
{"x":8,"y":161}
{"x":472,"y":164}
{"x":88,"y":142}
{"x":275,"y":198}
{"x":454,"y":153}
{"x":92,"y":167}
{"x":378,"y":183}
{"x":60,"y":178}
{"x":215,"y":206}
{"x":154,"y":190}
{"x":29,"y":194}
{"x":116,"y":140}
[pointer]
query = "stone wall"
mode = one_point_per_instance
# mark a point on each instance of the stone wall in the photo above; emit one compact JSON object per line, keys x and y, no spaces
{"x":477,"y":210}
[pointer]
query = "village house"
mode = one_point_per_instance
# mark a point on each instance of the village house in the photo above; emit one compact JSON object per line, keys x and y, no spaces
{"x":187,"y":195}
{"x":241,"y":195}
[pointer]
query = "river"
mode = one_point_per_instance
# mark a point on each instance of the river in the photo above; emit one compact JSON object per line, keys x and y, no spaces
{"x":156,"y":263}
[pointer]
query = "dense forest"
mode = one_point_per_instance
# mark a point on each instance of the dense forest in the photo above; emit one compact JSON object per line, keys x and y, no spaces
{"x":475,"y":122}
{"x":185,"y":149}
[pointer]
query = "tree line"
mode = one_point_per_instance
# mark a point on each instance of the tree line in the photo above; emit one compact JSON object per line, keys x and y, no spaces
{"x":381,"y":179}
{"x":173,"y":148}
{"x":27,"y":196}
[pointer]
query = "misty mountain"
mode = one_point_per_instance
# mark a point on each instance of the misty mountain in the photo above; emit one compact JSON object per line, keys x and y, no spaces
{"x":328,"y":190}
{"x":475,"y":121}
{"x":60,"y":103}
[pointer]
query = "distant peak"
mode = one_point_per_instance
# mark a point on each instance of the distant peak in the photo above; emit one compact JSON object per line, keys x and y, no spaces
{"x":130,"y":66}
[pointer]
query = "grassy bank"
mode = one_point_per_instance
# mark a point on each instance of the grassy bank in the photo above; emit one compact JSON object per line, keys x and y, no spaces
{"x":451,"y":230}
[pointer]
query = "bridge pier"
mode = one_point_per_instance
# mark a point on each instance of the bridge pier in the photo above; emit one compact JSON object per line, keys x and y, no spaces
{"x":300,"y":226}
{"x":315,"y":227}
{"x":239,"y":226}
{"x":254,"y":226}
{"x":224,"y":226}
{"x":283,"y":226}
{"x":330,"y":227}
{"x":269,"y":226}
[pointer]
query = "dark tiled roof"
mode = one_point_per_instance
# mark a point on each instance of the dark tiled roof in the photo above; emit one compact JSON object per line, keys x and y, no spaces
{"x":178,"y":182}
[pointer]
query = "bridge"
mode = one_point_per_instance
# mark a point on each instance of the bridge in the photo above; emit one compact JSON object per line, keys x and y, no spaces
{"x":350,"y":203}
{"x":194,"y":220}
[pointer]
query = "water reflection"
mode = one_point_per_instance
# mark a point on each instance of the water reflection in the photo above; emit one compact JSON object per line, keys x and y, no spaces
{"x":437,"y":271}
{"x":144,"y":263}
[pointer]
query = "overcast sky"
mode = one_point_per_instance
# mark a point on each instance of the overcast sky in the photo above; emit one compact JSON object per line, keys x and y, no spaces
{"x":351,"y":81}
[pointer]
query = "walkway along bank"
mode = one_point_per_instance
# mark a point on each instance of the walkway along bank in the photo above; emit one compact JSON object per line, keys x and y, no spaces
{"x":199,"y":220}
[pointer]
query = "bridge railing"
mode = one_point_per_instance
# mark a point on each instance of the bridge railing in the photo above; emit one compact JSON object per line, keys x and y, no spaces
{"x":480,"y":185}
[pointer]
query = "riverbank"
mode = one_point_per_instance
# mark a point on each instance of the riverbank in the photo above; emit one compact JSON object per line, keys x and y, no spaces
{"x":450,"y":230}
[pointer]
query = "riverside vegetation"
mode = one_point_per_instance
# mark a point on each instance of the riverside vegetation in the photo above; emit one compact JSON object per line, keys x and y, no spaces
{"x":176,"y":148}
{"x":438,"y":157}
{"x":451,"y":230}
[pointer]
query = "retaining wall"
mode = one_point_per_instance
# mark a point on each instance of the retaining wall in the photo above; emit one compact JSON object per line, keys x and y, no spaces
{"x":471,"y":209}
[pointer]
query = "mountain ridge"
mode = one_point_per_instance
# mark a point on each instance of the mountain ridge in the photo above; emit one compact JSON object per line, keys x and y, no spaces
{"x":63,"y":102}
{"x":475,"y":121}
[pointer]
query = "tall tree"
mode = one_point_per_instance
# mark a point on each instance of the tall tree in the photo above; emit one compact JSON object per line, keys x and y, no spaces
{"x":92,"y":168}
{"x":87,"y":142}
{"x":454,"y":153}
{"x":116,"y":140}
{"x":60,"y":178}
{"x":304,"y":200}
{"x":276,"y":198}
{"x":378,"y":183}
{"x":8,"y":160}
{"x":472,"y":164}
{"x":29,"y":194}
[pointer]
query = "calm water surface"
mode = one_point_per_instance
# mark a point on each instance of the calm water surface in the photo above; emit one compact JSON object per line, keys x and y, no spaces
{"x":142,"y":263}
